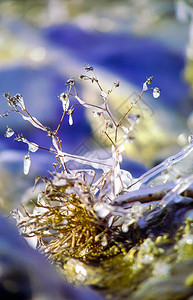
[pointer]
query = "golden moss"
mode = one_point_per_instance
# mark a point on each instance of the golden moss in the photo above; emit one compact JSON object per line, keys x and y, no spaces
{"x":67,"y":226}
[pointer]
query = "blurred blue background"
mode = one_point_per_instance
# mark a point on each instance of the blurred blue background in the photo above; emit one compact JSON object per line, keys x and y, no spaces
{"x":43,"y":43}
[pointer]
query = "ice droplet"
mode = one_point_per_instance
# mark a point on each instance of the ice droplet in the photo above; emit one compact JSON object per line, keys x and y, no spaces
{"x":156,"y":92}
{"x":9,"y":132}
{"x":124,"y":228}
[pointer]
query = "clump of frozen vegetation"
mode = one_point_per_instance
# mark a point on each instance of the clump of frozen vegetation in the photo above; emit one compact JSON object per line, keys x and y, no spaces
{"x":78,"y":215}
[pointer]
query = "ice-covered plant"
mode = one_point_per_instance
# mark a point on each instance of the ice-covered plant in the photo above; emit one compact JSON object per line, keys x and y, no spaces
{"x":78,"y":215}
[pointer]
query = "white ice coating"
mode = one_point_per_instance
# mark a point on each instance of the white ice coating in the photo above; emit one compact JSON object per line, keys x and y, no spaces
{"x":104,"y":164}
{"x":82,"y":102}
{"x":33,"y":147}
{"x":21,"y":103}
{"x":34,"y":122}
{"x":145,"y":88}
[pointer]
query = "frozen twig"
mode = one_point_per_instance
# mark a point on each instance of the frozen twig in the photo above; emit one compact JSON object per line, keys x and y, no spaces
{"x":164,"y":165}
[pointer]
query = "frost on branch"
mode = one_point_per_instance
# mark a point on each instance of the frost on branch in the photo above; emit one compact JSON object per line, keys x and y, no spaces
{"x":34,"y":122}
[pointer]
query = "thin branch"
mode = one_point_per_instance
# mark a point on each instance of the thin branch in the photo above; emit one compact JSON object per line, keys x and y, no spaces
{"x":130,"y":108}
{"x":60,"y":123}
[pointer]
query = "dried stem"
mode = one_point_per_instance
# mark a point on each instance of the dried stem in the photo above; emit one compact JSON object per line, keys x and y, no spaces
{"x":130,"y":108}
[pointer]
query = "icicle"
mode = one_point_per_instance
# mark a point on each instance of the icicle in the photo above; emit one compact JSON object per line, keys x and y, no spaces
{"x":70,"y":112}
{"x":70,"y":119}
{"x":27,"y":164}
